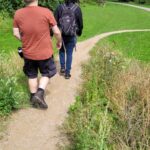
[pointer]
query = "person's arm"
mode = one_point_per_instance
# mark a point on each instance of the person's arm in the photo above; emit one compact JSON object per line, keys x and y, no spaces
{"x":79,"y":20}
{"x":16,"y":33}
{"x":57,"y":14}
{"x":55,"y":29}
{"x":57,"y":35}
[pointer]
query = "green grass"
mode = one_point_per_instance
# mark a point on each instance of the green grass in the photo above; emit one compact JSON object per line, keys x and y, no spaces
{"x":133,"y":45}
{"x":112,"y":17}
{"x":143,"y":5}
{"x":96,"y":20}
{"x":13,"y":89}
{"x":111,"y":111}
{"x":8,"y":42}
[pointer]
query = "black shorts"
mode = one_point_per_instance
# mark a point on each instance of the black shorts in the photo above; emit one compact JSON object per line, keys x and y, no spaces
{"x":46,"y":67}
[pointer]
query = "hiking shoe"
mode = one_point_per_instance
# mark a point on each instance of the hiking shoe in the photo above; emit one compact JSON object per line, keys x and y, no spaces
{"x":38,"y":100}
{"x":67,"y":76}
{"x":62,"y":71}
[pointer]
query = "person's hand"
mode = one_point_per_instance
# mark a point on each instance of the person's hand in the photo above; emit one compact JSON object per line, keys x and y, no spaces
{"x":59,"y":45}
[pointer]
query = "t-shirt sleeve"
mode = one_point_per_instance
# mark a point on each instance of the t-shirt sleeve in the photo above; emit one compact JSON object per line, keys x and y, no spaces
{"x":15,"y":24}
{"x":51,"y":19}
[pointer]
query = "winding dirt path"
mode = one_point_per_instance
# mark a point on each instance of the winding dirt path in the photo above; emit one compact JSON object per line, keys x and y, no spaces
{"x":130,"y":5}
{"x":32,"y":129}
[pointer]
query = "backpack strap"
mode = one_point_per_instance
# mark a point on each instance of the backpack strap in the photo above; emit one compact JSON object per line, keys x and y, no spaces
{"x":73,"y":8}
{"x":64,"y":7}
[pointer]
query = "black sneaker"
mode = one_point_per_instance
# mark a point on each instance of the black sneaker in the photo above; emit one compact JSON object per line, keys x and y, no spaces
{"x":67,"y":76}
{"x":62,"y":71}
{"x":38,"y":100}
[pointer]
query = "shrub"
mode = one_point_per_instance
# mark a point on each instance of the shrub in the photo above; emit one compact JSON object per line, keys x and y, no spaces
{"x":8,"y":96}
{"x":11,"y":5}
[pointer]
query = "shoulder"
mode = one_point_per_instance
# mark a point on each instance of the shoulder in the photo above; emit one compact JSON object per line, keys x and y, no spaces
{"x":78,"y":9}
{"x":19,"y":11}
{"x":46,"y":10}
{"x":59,"y":7}
{"x":77,"y":6}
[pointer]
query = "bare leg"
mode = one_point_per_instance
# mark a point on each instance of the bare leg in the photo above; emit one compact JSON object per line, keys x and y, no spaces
{"x":33,"y":85}
{"x":43,"y":82}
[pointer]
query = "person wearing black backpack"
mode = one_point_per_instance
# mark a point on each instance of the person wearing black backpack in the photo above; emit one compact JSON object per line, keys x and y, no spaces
{"x":69,"y":18}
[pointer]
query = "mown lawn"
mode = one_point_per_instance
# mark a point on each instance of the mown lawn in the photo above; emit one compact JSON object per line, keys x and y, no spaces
{"x":112,"y":17}
{"x":133,"y":45}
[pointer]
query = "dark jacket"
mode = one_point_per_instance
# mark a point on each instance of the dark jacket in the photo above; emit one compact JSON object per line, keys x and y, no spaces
{"x":78,"y":17}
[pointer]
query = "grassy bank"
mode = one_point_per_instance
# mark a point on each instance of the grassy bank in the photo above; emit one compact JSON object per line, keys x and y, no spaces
{"x":8,"y":42}
{"x":13,"y":86}
{"x":112,"y":109}
{"x":13,"y":89}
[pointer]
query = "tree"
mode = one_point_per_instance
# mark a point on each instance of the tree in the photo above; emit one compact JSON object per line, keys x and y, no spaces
{"x":11,"y":5}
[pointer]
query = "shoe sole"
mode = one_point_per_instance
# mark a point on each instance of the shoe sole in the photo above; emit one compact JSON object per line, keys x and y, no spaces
{"x":67,"y":77}
{"x":37,"y":103}
{"x":62,"y":74}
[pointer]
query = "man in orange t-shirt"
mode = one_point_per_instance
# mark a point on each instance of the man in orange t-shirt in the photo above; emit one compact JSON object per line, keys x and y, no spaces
{"x":32,"y":26}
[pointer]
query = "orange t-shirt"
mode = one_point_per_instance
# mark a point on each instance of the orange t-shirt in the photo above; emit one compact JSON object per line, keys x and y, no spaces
{"x":34,"y":24}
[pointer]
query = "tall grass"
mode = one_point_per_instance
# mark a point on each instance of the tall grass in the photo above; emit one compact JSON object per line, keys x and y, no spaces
{"x":129,"y":96}
{"x":13,"y":91}
{"x":13,"y":87}
{"x":112,"y":109}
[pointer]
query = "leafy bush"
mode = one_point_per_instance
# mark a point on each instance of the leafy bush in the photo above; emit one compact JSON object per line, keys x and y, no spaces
{"x":147,"y":1}
{"x":11,"y":5}
{"x":8,"y":96}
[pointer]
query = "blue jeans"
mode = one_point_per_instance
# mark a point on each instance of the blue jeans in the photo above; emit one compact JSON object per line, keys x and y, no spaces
{"x":66,"y":52}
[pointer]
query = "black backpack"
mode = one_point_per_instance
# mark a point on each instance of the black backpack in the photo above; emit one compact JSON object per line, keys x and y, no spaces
{"x":67,"y":20}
